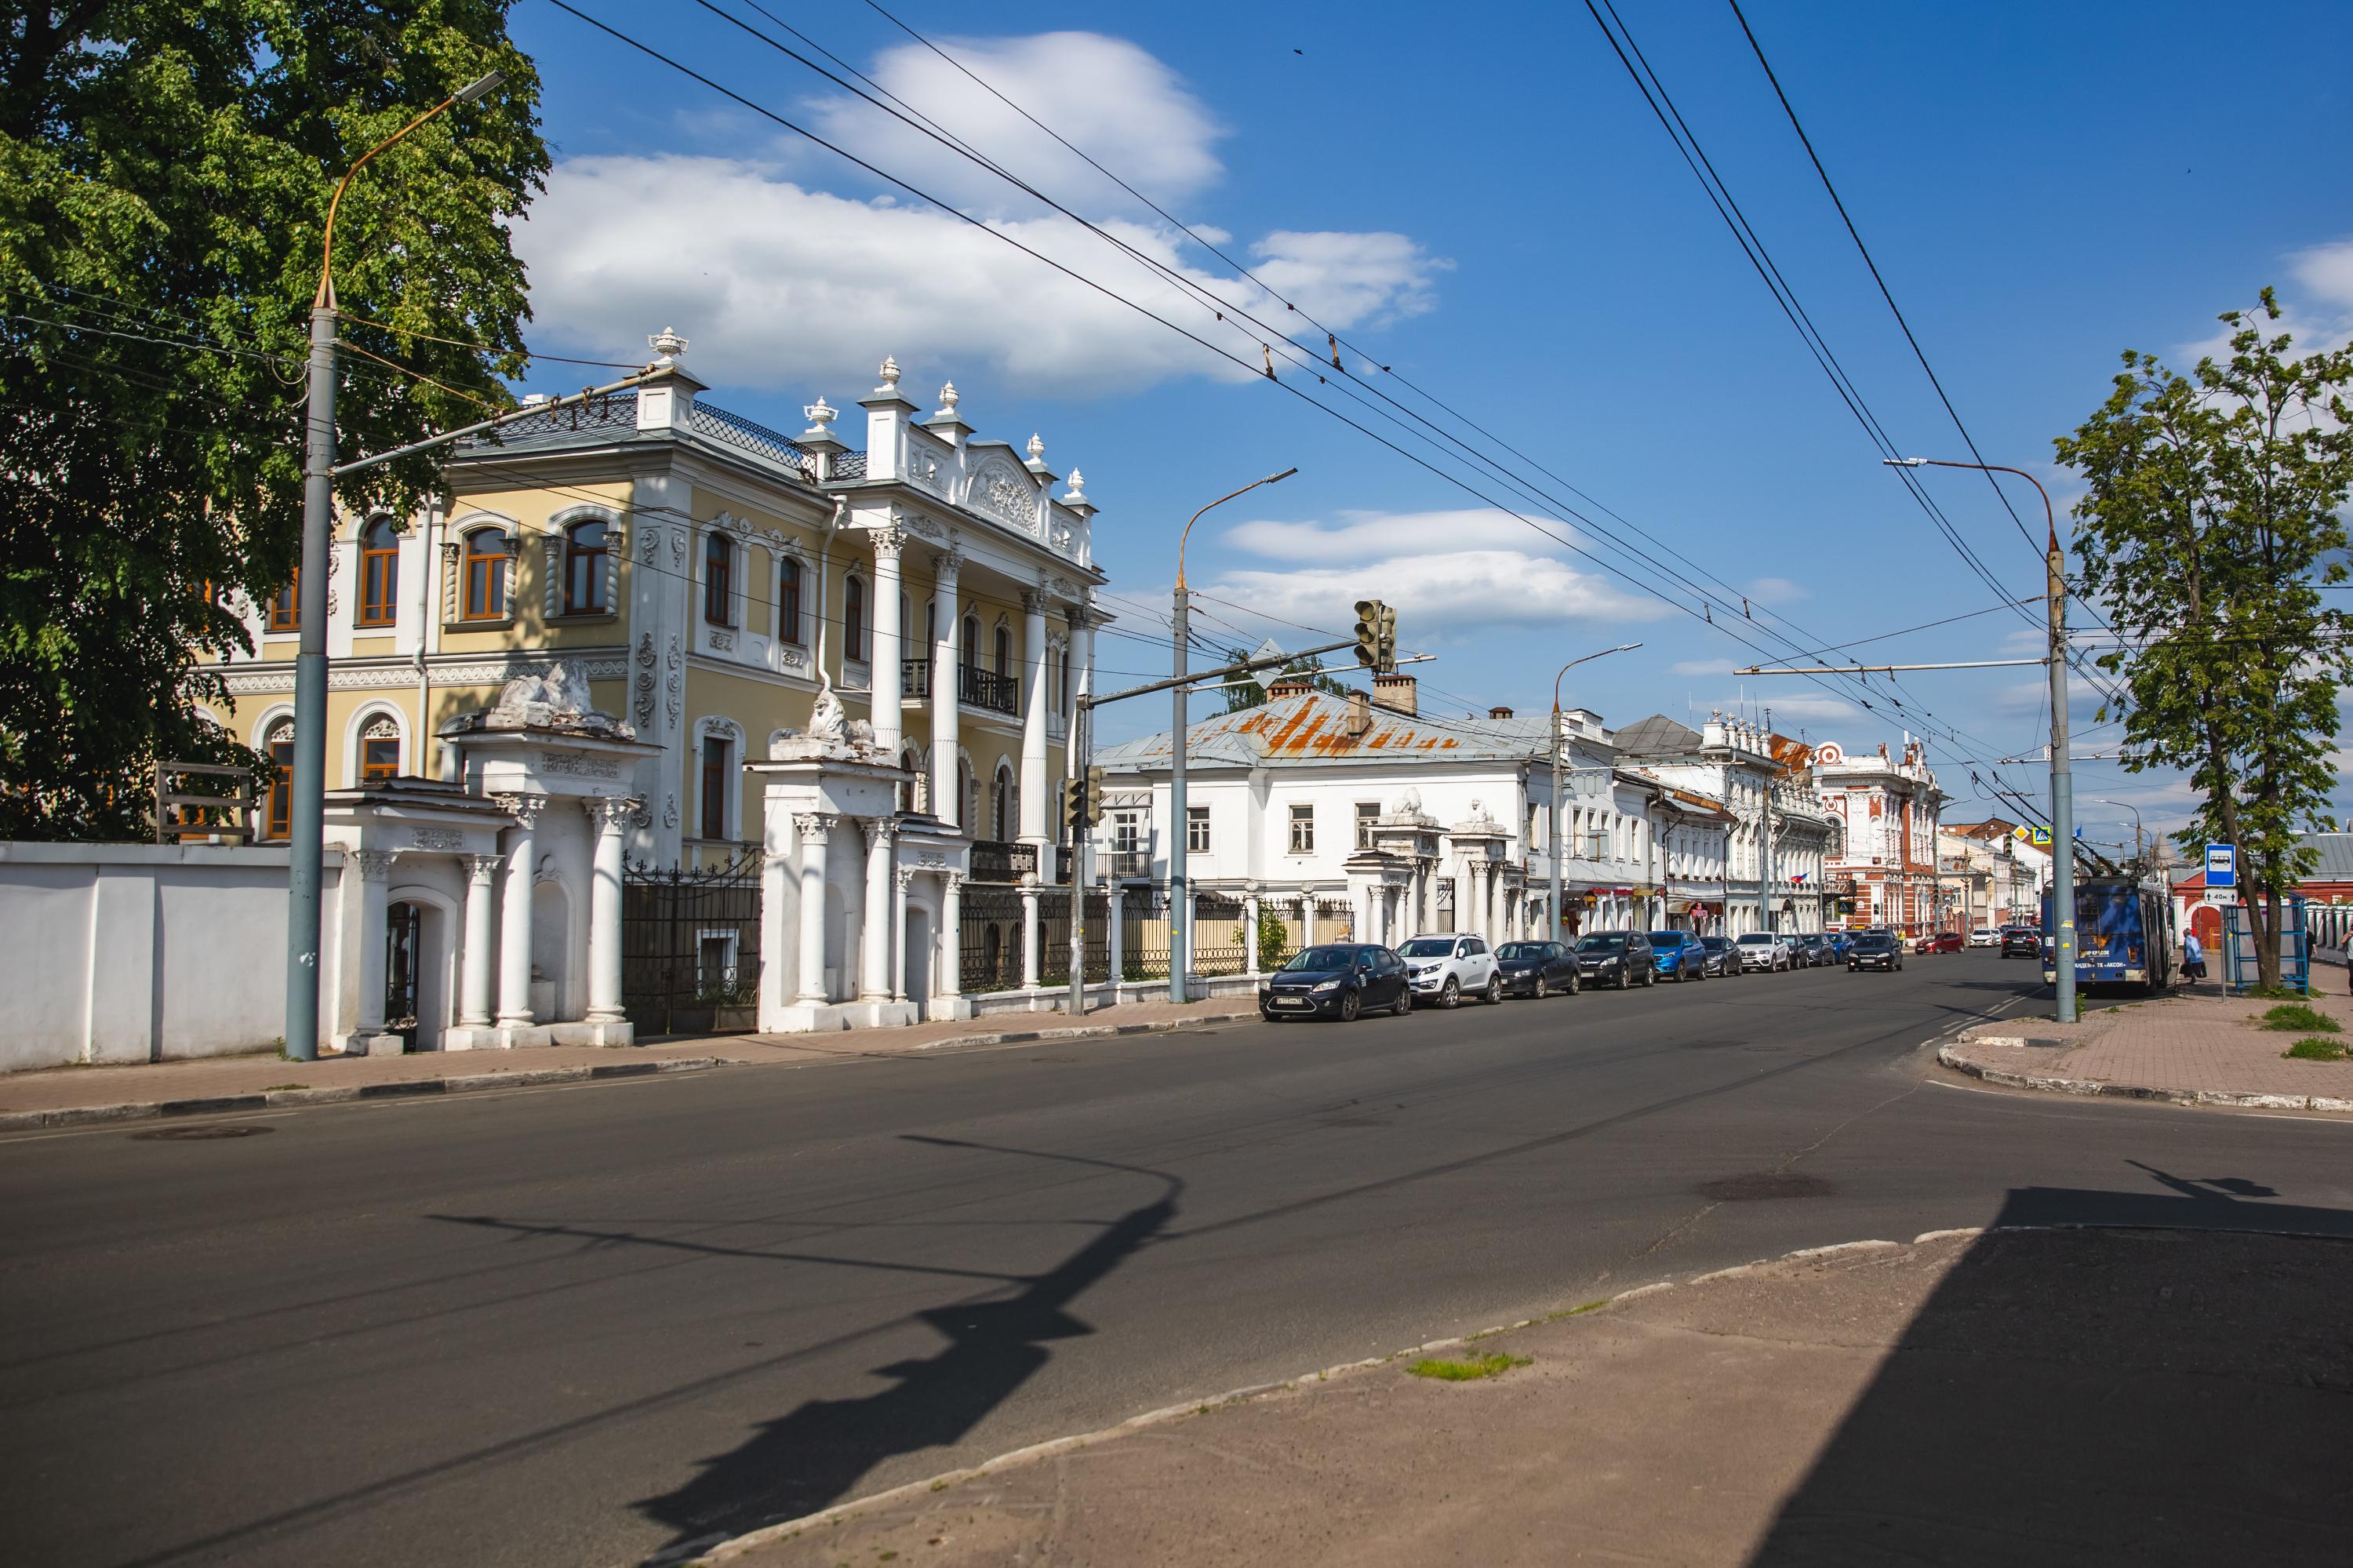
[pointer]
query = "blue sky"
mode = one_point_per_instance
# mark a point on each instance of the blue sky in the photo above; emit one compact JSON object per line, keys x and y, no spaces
{"x":1491,"y":209}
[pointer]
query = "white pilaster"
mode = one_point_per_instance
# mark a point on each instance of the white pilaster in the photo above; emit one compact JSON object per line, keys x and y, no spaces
{"x":889,"y":638}
{"x":947,"y":799}
{"x":368,"y":1036}
{"x":474,"y":984}
{"x":1030,"y":968}
{"x":812,"y":827}
{"x":901,"y":878}
{"x":1035,"y":817}
{"x":1116,"y":906}
{"x":1250,"y":926}
{"x":875,"y":921}
{"x":947,"y":987}
{"x":515,"y":912}
{"x":609,"y":822}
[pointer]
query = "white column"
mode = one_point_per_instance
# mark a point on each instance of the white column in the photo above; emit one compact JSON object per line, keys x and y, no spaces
{"x":947,"y":975}
{"x":899,"y":877}
{"x":474,"y":984}
{"x":1035,"y":821}
{"x":1029,"y":964}
{"x":890,"y":640}
{"x":1250,"y":926}
{"x":875,"y":923}
{"x":1306,"y":916}
{"x":609,"y":821}
{"x":374,"y":870}
{"x":812,"y":827}
{"x":514,"y":911}
{"x":947,"y":800}
{"x":1116,"y":905}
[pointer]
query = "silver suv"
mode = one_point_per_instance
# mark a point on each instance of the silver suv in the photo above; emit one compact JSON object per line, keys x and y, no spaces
{"x":1446,"y":966}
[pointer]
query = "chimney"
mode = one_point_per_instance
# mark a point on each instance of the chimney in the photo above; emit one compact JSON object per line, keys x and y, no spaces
{"x":1290,"y":686}
{"x":1499,"y":711}
{"x":1360,"y":712}
{"x":1395,"y":693}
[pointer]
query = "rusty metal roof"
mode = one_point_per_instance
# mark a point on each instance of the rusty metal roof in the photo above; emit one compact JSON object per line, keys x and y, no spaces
{"x":1314,"y":727}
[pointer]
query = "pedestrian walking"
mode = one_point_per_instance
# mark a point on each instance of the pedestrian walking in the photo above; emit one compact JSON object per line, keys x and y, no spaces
{"x":2193,"y":958}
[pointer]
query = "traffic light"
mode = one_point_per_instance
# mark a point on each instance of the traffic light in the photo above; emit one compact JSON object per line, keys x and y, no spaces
{"x":1387,"y":647}
{"x":1093,"y":796}
{"x":1369,"y":633}
{"x":1075,"y":805}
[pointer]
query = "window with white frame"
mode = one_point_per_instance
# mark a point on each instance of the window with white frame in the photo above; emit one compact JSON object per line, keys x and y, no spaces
{"x":1303,"y":830}
{"x":1368,"y":814}
{"x":1197,"y":829}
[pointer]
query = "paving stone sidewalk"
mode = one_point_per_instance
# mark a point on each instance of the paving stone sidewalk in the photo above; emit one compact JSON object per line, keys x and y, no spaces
{"x":2196,"y":1047}
{"x":61,"y":1097}
{"x":2013,"y":1396}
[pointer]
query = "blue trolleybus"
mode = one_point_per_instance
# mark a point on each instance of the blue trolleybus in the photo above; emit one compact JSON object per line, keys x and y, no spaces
{"x":2123,"y":934}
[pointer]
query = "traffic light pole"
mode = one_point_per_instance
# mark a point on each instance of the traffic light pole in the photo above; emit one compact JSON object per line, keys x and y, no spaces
{"x":1081,"y":857}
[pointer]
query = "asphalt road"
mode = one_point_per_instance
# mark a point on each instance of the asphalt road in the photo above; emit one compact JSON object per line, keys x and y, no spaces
{"x":583,"y":1325}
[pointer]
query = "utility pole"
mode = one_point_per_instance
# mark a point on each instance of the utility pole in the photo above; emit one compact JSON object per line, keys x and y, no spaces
{"x":1551,"y":821}
{"x":307,"y":812}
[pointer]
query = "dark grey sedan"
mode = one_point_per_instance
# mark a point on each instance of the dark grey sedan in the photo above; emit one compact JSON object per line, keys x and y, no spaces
{"x":1537,"y":969}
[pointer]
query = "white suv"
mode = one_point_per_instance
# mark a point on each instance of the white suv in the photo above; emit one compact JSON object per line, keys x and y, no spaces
{"x":1763,"y":951}
{"x":1446,"y":966}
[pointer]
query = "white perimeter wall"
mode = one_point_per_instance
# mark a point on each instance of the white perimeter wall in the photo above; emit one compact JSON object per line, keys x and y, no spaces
{"x":146,"y":952}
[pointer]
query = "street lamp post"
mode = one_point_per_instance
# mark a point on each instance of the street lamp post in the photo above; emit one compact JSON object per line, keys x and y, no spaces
{"x":2062,"y":781}
{"x":2137,"y":851}
{"x":306,"y":824}
{"x":1552,"y":816}
{"x":1180,"y":915}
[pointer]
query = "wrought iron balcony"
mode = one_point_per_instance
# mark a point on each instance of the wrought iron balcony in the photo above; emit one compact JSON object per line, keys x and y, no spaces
{"x":914,"y":677}
{"x":979,"y":688}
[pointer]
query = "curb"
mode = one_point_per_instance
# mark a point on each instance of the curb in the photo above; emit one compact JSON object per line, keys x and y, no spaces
{"x":537,"y":1077}
{"x":710,"y":1552}
{"x":2051,"y":1083}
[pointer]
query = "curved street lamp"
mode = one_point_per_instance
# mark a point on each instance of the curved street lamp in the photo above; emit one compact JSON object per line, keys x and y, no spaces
{"x":1552,"y":816}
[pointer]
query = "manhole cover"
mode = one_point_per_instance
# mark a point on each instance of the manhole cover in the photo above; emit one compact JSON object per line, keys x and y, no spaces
{"x":202,"y":1131}
{"x":1759,"y":1184}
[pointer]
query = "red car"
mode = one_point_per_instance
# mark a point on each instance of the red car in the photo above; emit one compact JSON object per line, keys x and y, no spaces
{"x":1946,"y":942}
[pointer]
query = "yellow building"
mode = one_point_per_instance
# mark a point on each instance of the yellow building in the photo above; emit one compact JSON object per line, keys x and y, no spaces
{"x":704,"y":570}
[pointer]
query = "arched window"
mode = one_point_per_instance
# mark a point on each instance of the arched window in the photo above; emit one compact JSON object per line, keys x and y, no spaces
{"x":285,"y":611}
{"x":486,"y":575}
{"x":853,"y":618}
{"x":380,"y":749}
{"x":379,"y":573}
{"x":1004,"y":649}
{"x":914,"y":764}
{"x":718,"y":578}
{"x":972,"y":643}
{"x":788,"y":601}
{"x":585,"y":559}
{"x":967,"y":793}
{"x":278,"y":811}
{"x":1002,"y":821}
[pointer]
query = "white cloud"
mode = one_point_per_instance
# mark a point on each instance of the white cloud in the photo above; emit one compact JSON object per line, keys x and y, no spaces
{"x":2317,"y":314}
{"x":1129,"y":111}
{"x":2327,"y":271}
{"x":779,"y":286}
{"x":1343,"y":277}
{"x":1776,"y":591}
{"x":1792,"y":708}
{"x":1361,"y":533}
{"x":1702,"y":667}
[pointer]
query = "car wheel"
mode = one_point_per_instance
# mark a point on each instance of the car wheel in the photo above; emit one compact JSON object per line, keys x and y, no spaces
{"x":1650,"y":977}
{"x":1574,"y":984}
{"x":1451,"y":997}
{"x":1350,"y":1005}
{"x":1541,"y":990}
{"x":1405,"y":1001}
{"x":1493,"y":996}
{"x":1623,"y":981}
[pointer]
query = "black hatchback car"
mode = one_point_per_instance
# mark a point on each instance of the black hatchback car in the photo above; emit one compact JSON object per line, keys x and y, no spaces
{"x":2021,"y":942}
{"x":1875,"y":951}
{"x":1336,"y":981}
{"x":1617,"y":958}
{"x":1537,"y":969}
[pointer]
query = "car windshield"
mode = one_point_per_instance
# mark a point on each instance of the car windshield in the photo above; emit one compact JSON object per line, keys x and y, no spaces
{"x":1322,"y":958}
{"x":1602,"y":945}
{"x":1872,"y":942}
{"x":1714,"y":944}
{"x":1428,"y":947}
{"x":1521,"y":950}
{"x":1757,"y":939}
{"x":1666,"y":938}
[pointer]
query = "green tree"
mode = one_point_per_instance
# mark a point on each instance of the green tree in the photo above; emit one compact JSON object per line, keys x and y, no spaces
{"x":2212,"y":522}
{"x":165,"y":174}
{"x":1248,"y":692}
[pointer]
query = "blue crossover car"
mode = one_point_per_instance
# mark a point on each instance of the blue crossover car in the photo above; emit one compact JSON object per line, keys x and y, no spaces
{"x":1679,"y":956}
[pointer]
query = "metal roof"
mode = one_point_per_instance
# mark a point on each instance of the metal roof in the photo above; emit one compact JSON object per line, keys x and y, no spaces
{"x":1314,"y":727}
{"x":1658,"y":736}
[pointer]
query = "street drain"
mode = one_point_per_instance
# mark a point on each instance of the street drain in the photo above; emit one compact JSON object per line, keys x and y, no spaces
{"x":1759,"y":1184}
{"x":201,"y":1132}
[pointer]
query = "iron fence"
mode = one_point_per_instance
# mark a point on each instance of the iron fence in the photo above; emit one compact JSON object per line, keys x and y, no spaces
{"x":691,"y":946}
{"x":1220,"y":939}
{"x":991,"y":937}
{"x":1054,"y":937}
{"x":1144,"y":934}
{"x":708,"y":419}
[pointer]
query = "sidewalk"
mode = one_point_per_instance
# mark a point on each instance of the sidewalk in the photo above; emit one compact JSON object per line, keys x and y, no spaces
{"x":2020,"y":1396}
{"x":63,"y":1097}
{"x":2199,"y":1048}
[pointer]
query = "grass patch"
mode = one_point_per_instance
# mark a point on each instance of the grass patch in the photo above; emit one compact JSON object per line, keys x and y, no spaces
{"x":1468,"y":1371}
{"x":1595,"y":1305}
{"x":2298,"y":1018}
{"x":2312,"y":1048}
{"x":273,"y":1089}
{"x":2274,"y":992}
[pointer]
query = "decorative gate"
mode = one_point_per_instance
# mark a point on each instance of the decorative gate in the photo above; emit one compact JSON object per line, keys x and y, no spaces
{"x":400,"y":942}
{"x":1144,"y":934}
{"x":690,"y":947}
{"x":991,"y":939}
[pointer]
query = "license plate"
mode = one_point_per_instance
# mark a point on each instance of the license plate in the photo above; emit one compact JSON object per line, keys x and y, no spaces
{"x":1293,"y":1001}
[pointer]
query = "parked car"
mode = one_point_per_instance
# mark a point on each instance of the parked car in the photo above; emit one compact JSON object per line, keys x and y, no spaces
{"x":1875,"y":951}
{"x":1763,"y":951}
{"x":1616,"y":957}
{"x":1945,"y":942}
{"x":1721,"y":955}
{"x":1537,"y":969}
{"x":1840,"y":942}
{"x":2021,"y":942}
{"x":1448,"y":966}
{"x":1799,"y":957}
{"x":1340,"y":981}
{"x":1985,"y":937}
{"x":1818,"y":951}
{"x":1677,"y":956}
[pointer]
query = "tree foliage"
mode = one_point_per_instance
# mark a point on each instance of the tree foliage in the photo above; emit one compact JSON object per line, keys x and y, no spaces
{"x":165,"y":174}
{"x":2214,"y":522}
{"x":1248,"y":692}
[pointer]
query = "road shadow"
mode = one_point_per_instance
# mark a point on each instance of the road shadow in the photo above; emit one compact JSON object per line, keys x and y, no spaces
{"x":817,"y":1453}
{"x":2078,"y":1393}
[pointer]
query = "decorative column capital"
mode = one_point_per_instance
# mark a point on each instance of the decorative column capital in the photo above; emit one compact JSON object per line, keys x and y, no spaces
{"x":1034,"y":601}
{"x":481,"y":870}
{"x":524,"y":808}
{"x":1029,"y":884}
{"x":376,"y":865}
{"x":874,"y":830}
{"x":945,"y":565}
{"x":1249,"y":890}
{"x":608,"y":814}
{"x":905,"y":877}
{"x":951,"y":882}
{"x":812,"y":826}
{"x":887,"y":542}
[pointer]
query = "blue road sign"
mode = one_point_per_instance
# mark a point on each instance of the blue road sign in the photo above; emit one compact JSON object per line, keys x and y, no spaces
{"x":2222,"y":865}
